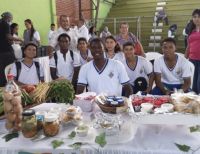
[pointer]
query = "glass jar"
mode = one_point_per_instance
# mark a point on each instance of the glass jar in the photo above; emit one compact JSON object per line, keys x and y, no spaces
{"x":29,"y":123}
{"x":51,"y":124}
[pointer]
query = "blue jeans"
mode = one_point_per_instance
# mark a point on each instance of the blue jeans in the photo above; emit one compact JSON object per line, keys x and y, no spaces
{"x":171,"y":87}
{"x":196,"y":78}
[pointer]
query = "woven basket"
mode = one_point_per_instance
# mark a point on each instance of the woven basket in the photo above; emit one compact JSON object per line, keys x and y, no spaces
{"x":111,"y":109}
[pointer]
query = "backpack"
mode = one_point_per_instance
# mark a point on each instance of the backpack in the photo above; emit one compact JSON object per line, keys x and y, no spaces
{"x":19,"y":66}
{"x":56,"y":57}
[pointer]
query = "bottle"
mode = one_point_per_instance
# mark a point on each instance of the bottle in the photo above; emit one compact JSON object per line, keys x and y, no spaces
{"x":12,"y":105}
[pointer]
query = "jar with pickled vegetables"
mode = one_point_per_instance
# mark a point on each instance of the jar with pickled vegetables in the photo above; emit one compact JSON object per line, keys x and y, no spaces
{"x":51,"y":125}
{"x":29,"y":123}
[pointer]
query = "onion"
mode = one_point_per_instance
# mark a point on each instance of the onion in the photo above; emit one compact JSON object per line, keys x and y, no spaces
{"x":7,"y":96}
{"x":9,"y":125}
{"x":7,"y":106}
{"x":11,"y":117}
{"x":16,"y":100}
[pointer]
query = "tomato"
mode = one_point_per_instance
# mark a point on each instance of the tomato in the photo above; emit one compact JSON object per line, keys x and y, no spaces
{"x":29,"y":88}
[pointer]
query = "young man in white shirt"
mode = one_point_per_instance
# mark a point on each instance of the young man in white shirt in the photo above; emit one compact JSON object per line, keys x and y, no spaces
{"x":51,"y":31}
{"x":103,"y":75}
{"x":82,"y":29}
{"x":65,"y":63}
{"x":27,"y":71}
{"x":139,"y":70}
{"x":84,"y":52}
{"x":171,"y":70}
{"x":64,"y":28}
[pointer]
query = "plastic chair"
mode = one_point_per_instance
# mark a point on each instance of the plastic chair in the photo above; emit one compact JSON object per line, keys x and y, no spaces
{"x":152,"y":55}
{"x":7,"y":70}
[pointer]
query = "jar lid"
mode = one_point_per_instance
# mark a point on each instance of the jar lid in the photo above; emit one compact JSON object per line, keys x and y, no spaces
{"x":28,"y":112}
{"x":50,"y":117}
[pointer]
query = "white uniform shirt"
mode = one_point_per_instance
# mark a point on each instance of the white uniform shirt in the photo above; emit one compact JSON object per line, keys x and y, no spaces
{"x":28,"y":75}
{"x":65,"y":68}
{"x":71,"y":32}
{"x":118,"y":56}
{"x":82,"y":60}
{"x":50,"y":34}
{"x":142,"y":69}
{"x":83,"y":32}
{"x":109,"y":80}
{"x":174,"y":75}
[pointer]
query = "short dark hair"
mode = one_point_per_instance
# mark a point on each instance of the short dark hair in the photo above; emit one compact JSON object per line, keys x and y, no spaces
{"x":169,"y":39}
{"x":96,"y":40}
{"x":196,"y":11}
{"x":64,"y":35}
{"x":129,"y":43}
{"x":30,"y":44}
{"x":53,"y":24}
{"x":82,"y":39}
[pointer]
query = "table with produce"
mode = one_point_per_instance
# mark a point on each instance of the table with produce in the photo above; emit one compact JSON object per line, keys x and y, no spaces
{"x":50,"y":118}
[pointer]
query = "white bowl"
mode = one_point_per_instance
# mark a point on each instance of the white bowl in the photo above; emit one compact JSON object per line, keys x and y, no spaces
{"x":146,"y":107}
{"x":82,"y":130}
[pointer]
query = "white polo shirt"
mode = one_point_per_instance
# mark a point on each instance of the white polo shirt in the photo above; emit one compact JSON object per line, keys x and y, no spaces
{"x":175,"y":75}
{"x":65,"y":68}
{"x":142,"y":69}
{"x":109,"y":80}
{"x":72,"y":33}
{"x":83,"y":32}
{"x":83,"y":60}
{"x":28,"y":75}
{"x":118,"y":56}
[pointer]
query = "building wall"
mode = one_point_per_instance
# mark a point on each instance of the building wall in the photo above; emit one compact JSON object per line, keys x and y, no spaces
{"x":71,"y":9}
{"x":41,"y":12}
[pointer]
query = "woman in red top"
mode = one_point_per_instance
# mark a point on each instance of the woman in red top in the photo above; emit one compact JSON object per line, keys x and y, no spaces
{"x":193,"y":49}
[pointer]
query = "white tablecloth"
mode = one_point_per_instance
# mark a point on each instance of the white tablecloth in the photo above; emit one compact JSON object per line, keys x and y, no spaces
{"x":149,"y":139}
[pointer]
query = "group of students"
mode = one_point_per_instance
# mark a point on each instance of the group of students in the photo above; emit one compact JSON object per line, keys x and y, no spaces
{"x":107,"y":70}
{"x":116,"y":66}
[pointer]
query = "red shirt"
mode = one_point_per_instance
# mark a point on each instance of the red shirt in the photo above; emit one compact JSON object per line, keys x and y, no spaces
{"x":194,"y":45}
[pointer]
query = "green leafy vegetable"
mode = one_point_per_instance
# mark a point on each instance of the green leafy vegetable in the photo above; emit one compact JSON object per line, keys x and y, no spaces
{"x":56,"y":143}
{"x":183,"y":147}
{"x":72,"y":135}
{"x":10,"y":136}
{"x":195,"y":129}
{"x":101,"y":139}
{"x":61,"y":91}
{"x":76,"y":145}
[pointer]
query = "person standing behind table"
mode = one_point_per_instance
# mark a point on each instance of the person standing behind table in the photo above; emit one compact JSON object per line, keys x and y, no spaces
{"x":51,"y":31}
{"x":30,"y":34}
{"x":16,"y":44}
{"x":171,"y":70}
{"x":6,"y":39}
{"x":103,"y":75}
{"x":92,"y":33}
{"x":65,"y":64}
{"x":105,"y":33}
{"x":126,"y":36}
{"x":82,"y":29}
{"x":193,"y":49}
{"x":84,"y":52}
{"x":28,"y":71}
{"x":64,"y":28}
{"x":112,"y":49}
{"x":139,"y":70}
